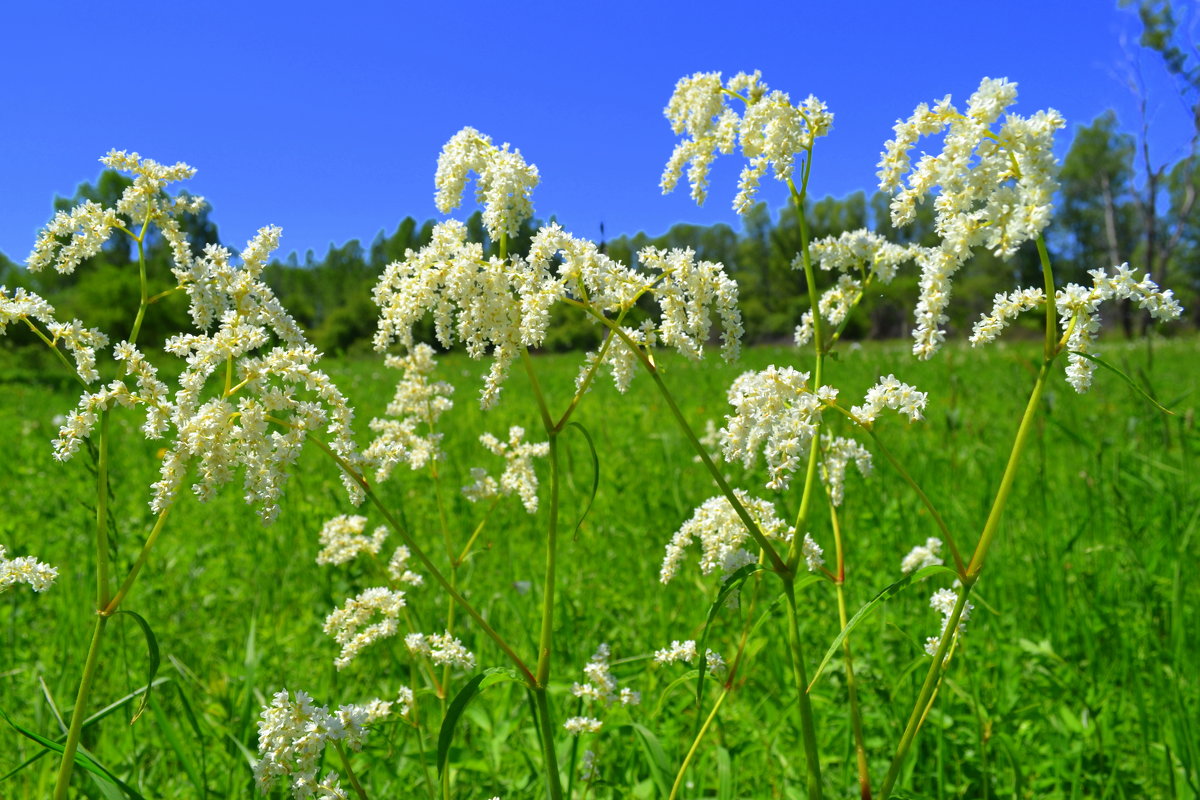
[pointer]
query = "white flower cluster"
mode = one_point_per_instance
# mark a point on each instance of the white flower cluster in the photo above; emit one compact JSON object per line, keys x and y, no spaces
{"x":88,"y":226}
{"x":504,"y":305}
{"x":25,"y":569}
{"x":722,"y":535}
{"x":279,"y":387}
{"x":1078,"y":309}
{"x":398,"y":570}
{"x":441,"y":649}
{"x":80,"y":342}
{"x":994,"y":189}
{"x":921,"y":556}
{"x":837,"y":453}
{"x":777,"y":413}
{"x":291,"y":740}
{"x":814,"y":556}
{"x":418,"y":402}
{"x":518,"y":477}
{"x":943,"y":601}
{"x":770,"y":131}
{"x":504,"y":182}
{"x":579,"y":725}
{"x":349,"y":626}
{"x":342,"y":539}
{"x":686,"y":651}
{"x":602,"y":686}
{"x":891,"y":393}
{"x":1006,"y":307}
{"x":861,"y":253}
{"x":239,"y":318}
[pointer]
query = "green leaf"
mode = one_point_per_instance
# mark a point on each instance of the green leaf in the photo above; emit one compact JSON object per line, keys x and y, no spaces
{"x":153,"y":658}
{"x":595,"y":476}
{"x":733,"y":583}
{"x":724,"y":775}
{"x":1125,"y":378}
{"x":82,"y":759}
{"x":874,"y":603}
{"x":656,"y":757}
{"x":466,"y":694}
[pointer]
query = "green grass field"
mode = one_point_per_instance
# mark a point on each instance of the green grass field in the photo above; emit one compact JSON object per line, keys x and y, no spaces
{"x":1076,"y":677}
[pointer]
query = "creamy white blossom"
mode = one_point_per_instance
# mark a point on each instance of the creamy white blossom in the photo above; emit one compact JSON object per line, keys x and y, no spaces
{"x":292,"y":734}
{"x":601,"y":686}
{"x":836,"y":454}
{"x":441,"y":649}
{"x":921,"y":556}
{"x":351,"y":626}
{"x":1006,"y":307}
{"x":994,"y":189}
{"x":891,"y":393}
{"x":1078,"y":309}
{"x":407,"y":434}
{"x":518,"y":478}
{"x":88,"y":226}
{"x":398,"y":570}
{"x":722,"y":535}
{"x":814,"y":556}
{"x":943,"y":601}
{"x":686,"y":651}
{"x":504,"y":182}
{"x":342,"y":539}
{"x":777,"y":413}
{"x":770,"y":131}
{"x":578,"y":725}
{"x":25,"y":569}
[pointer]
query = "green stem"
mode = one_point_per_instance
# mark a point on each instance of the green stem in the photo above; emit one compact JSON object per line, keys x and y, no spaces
{"x":428,"y":565}
{"x":358,"y":789}
{"x":808,"y":730}
{"x":546,"y":639}
{"x":860,"y":750}
{"x":85,"y":689}
{"x":102,"y":564}
{"x":54,"y":346}
{"x":932,"y":678}
{"x":687,"y":760}
{"x":462,"y":557}
{"x":102,"y":600}
{"x":1051,"y":347}
{"x":111,"y":607}
{"x":546,"y":729}
{"x":1010,"y":474}
{"x":777,"y":563}
{"x":145,"y":299}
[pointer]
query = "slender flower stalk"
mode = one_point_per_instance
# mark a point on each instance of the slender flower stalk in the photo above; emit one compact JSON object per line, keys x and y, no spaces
{"x":92,"y":661}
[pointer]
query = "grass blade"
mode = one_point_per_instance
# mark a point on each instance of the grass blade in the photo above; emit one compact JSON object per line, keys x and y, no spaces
{"x":153,"y":658}
{"x":465,"y":695}
{"x":886,"y":594}
{"x":595,"y":476}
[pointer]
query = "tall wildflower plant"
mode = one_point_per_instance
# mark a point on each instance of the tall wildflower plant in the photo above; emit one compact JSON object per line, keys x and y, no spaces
{"x":991,"y":187}
{"x":498,"y":304}
{"x":249,"y":395}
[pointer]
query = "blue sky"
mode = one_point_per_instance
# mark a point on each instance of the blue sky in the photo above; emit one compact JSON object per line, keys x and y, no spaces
{"x":327,"y":119}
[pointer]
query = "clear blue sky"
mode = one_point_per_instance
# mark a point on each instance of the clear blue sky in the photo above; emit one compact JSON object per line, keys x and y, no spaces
{"x":327,"y":119}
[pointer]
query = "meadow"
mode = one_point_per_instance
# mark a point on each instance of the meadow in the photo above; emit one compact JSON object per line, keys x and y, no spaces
{"x":1075,"y":677}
